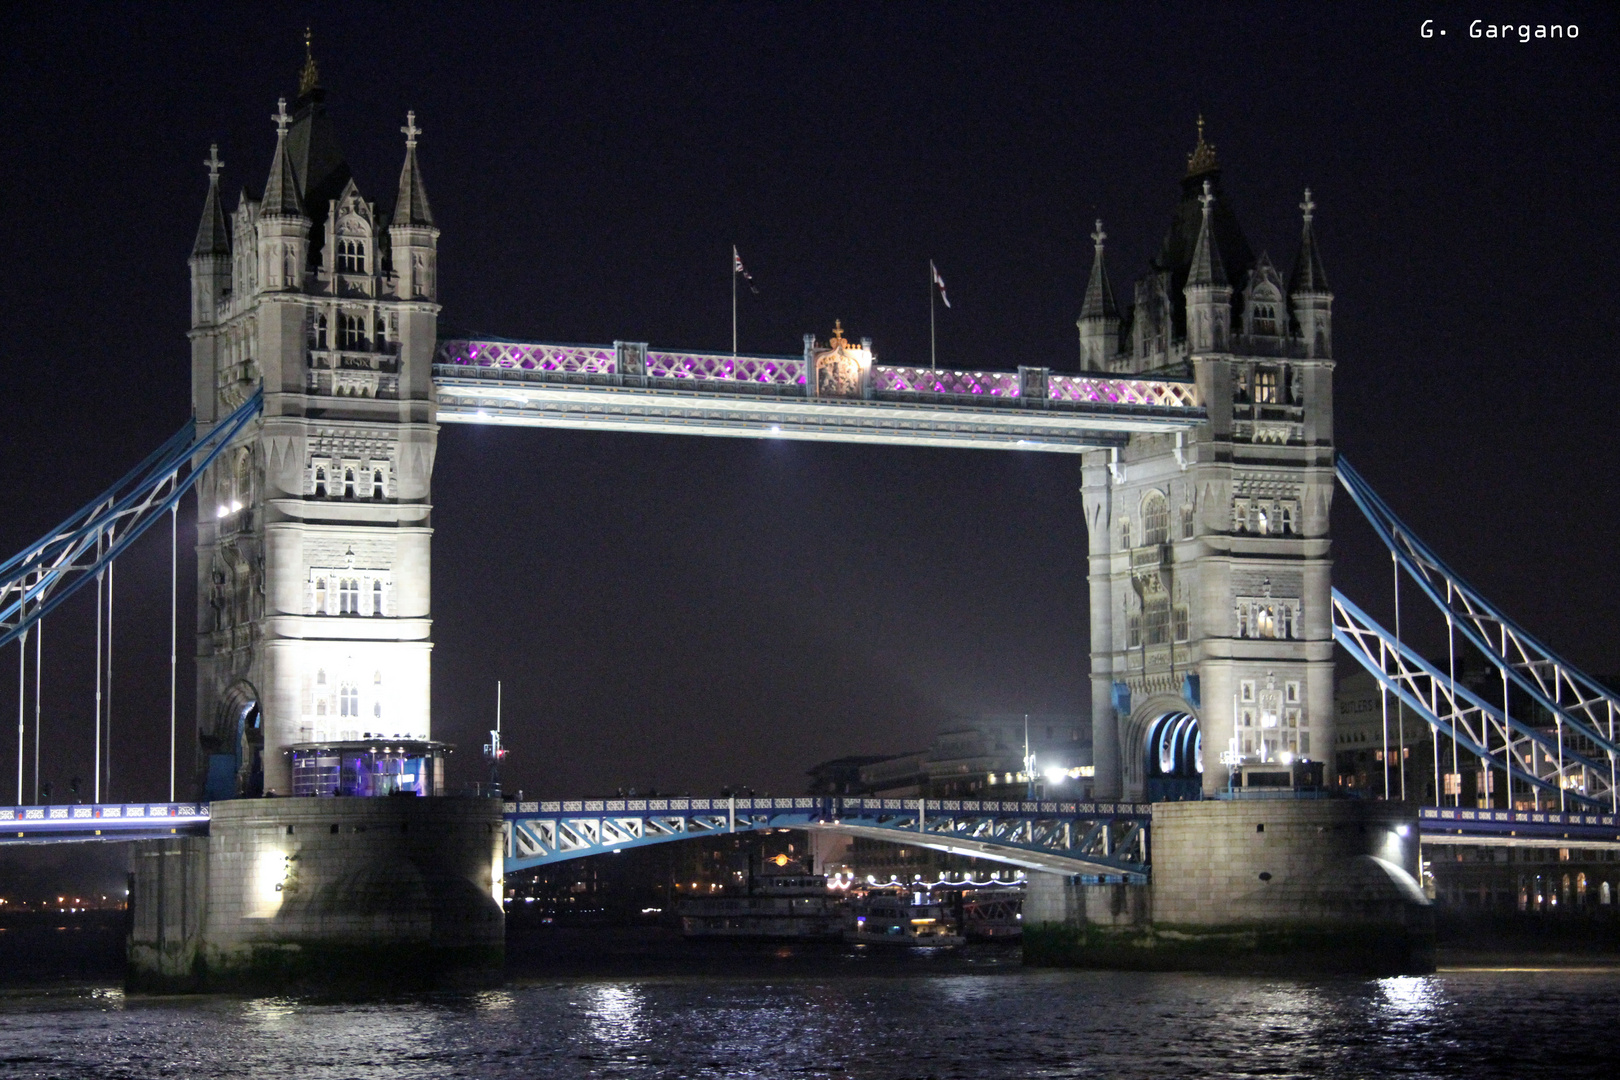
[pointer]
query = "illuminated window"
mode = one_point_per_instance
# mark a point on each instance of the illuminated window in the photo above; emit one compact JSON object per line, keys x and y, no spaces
{"x":1265,"y":386}
{"x":349,"y":700}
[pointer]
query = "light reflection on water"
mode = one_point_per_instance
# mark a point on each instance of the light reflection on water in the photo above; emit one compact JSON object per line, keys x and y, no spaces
{"x":1021,"y":1023}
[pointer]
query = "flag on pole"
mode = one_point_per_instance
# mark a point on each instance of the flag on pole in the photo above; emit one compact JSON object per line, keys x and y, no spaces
{"x":938,"y":281}
{"x":738,"y":268}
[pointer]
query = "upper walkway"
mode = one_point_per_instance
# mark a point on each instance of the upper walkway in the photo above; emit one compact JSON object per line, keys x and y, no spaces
{"x":628,"y":387}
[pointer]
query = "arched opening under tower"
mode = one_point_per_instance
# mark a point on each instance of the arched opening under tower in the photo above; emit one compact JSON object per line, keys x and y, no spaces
{"x":235,"y":748}
{"x":1174,"y":752}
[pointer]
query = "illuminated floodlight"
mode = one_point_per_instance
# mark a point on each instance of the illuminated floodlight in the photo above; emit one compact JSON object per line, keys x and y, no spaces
{"x":221,"y":512}
{"x":235,"y":506}
{"x":1403,"y":830}
{"x":1286,"y":758}
{"x":1056,"y":775}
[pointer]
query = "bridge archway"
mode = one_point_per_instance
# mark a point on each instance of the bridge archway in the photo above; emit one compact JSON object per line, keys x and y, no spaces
{"x":1173,"y":757}
{"x":235,"y":747}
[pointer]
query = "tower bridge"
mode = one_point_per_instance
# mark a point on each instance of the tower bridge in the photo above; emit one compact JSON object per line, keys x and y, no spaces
{"x":1202,"y":411}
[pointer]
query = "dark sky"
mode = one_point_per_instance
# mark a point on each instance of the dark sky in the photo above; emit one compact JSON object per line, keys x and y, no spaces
{"x":692,"y":613}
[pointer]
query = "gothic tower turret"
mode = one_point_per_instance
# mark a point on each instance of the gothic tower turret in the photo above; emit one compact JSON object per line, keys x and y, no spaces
{"x":1099,"y":315}
{"x":211,"y":253}
{"x":1210,"y":564}
{"x":314,"y":533}
{"x":1308,"y":293}
{"x":1208,"y":292}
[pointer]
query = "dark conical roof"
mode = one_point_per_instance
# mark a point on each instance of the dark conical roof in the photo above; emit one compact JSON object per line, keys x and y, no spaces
{"x":1099,"y":302}
{"x":1206,"y":267}
{"x":213,"y":236}
{"x":281,"y":189}
{"x":411,"y":205}
{"x":1308,"y":276}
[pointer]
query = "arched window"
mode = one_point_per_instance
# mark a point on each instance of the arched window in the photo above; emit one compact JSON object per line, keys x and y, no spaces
{"x":377,"y":606}
{"x":377,"y":491}
{"x":1181,"y":623}
{"x":320,"y":608}
{"x":353,"y":328}
{"x":1156,"y":620}
{"x":376,"y":678}
{"x":351,"y":257}
{"x":1265,"y":386}
{"x":1187,"y":522}
{"x":349,"y":700}
{"x":376,"y":709}
{"x":1124,"y":532}
{"x":348,"y":483}
{"x":320,"y":483}
{"x":320,"y":707}
{"x":349,"y":597}
{"x":320,"y":333}
{"x":320,"y":677}
{"x":1155,"y":519}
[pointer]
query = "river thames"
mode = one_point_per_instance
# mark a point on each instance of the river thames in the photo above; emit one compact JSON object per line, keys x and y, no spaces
{"x":838,"y":1015}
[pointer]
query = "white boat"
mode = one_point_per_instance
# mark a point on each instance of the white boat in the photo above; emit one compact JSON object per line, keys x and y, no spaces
{"x":899,"y":919}
{"x":777,"y":906}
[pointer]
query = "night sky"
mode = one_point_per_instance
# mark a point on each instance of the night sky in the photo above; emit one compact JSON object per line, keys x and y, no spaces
{"x":689,"y":613}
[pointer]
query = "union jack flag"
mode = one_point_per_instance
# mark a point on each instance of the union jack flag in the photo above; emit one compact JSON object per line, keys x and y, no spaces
{"x":738,"y":268}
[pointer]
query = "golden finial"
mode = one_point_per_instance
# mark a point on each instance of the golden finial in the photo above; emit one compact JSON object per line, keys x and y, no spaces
{"x":310,"y":77}
{"x":1202,"y":159}
{"x":837,"y":341}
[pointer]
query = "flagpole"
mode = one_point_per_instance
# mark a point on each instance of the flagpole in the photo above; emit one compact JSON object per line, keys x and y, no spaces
{"x":933,"y":359}
{"x":734,"y":301}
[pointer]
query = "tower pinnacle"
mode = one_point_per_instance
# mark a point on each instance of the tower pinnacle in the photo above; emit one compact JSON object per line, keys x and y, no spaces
{"x":1202,"y":159}
{"x":281,"y":190}
{"x":310,"y":78}
{"x":411,"y":206}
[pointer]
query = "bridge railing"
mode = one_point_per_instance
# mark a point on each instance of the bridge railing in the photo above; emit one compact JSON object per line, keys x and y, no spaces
{"x":779,"y":375}
{"x":26,"y":821}
{"x":833,"y":806}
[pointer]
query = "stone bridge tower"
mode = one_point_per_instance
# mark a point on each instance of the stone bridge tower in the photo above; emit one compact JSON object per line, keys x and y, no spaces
{"x":313,"y":530}
{"x":1211,"y":639}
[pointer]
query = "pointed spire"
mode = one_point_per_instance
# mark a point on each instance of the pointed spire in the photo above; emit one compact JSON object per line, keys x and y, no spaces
{"x":411,"y":207}
{"x":309,"y":80}
{"x":1099,"y":302}
{"x":213,"y":238}
{"x":1308,"y":275}
{"x":281,"y":190}
{"x":1202,"y":159}
{"x":1206,"y":268}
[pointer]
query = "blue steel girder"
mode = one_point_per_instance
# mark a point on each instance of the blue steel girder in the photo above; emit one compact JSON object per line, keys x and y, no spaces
{"x":43,"y":575}
{"x":1098,"y":839}
{"x":1576,"y":700}
{"x":1520,"y":750}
